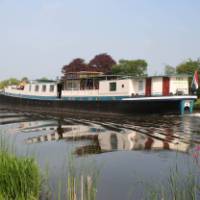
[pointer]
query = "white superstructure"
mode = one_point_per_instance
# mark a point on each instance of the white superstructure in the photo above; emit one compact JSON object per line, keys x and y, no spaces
{"x":120,"y":87}
{"x":34,"y":88}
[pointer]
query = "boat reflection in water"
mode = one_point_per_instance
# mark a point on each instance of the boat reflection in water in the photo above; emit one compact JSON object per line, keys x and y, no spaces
{"x":110,"y":138}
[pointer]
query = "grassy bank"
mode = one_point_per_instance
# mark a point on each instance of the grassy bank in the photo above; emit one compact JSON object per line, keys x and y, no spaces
{"x":19,"y":176}
{"x":197,"y":105}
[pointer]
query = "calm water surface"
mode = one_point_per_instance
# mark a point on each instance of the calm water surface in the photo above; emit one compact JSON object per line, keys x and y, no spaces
{"x":127,"y":152}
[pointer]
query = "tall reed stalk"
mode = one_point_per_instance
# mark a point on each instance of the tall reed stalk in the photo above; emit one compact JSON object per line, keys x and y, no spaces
{"x":81,"y":183}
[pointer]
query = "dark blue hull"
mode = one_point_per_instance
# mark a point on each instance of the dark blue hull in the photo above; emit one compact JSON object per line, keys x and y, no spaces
{"x":99,"y":107}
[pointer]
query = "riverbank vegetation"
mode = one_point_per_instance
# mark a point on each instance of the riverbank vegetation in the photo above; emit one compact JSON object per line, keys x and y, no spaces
{"x":197,"y":105}
{"x":178,"y":186}
{"x":12,"y":81}
{"x":81,"y":180}
{"x":19,"y":176}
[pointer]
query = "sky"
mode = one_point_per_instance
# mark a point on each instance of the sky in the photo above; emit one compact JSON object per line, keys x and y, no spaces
{"x":37,"y":37}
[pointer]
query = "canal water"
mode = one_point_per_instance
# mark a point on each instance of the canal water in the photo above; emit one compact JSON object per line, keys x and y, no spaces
{"x":126,"y":157}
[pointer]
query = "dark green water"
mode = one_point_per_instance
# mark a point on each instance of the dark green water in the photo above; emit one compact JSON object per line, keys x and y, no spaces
{"x":128,"y":153}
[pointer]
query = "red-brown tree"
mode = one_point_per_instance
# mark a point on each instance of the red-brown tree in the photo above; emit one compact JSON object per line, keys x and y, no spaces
{"x":78,"y":64}
{"x":103,"y":63}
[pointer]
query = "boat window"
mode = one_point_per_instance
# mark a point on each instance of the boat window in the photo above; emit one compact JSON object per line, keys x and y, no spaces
{"x":140,"y":85}
{"x":72,"y":85}
{"x":69,"y":85}
{"x":37,"y":88}
{"x":51,"y":88}
{"x":113,"y":86}
{"x":44,"y":87}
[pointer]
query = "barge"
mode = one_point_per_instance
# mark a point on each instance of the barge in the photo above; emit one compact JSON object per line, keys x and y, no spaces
{"x":92,"y":92}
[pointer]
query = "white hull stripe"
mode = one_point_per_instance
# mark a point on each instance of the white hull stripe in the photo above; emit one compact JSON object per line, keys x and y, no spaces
{"x":161,"y":98}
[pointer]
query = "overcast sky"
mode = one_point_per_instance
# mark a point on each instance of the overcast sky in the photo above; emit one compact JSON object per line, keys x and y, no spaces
{"x":37,"y":37}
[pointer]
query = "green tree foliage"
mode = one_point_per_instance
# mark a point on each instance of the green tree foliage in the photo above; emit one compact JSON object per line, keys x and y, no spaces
{"x":189,"y":67}
{"x":169,"y":70}
{"x":11,"y":81}
{"x":130,"y":67}
{"x":25,"y":79}
{"x":42,"y":79}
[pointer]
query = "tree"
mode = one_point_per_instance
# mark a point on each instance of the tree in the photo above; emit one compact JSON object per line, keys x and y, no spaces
{"x":189,"y":67}
{"x":42,"y":79}
{"x":78,"y":64}
{"x":11,"y":81}
{"x":103,"y":63}
{"x":131,"y":67}
{"x":169,"y":70}
{"x":25,"y":79}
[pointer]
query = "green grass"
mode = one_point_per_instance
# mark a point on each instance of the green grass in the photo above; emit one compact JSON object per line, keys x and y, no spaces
{"x":19,"y":176}
{"x":197,"y":104}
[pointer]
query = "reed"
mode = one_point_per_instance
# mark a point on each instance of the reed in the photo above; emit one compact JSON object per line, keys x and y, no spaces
{"x":178,"y":187}
{"x":82,"y":182}
{"x":19,"y":176}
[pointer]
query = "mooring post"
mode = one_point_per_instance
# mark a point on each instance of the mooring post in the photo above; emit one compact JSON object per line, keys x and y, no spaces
{"x":182,"y":107}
